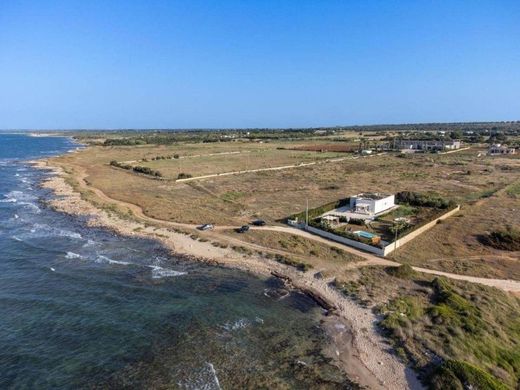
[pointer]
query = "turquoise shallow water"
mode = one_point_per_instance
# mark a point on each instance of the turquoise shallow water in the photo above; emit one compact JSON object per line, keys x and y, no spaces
{"x":84,"y":308}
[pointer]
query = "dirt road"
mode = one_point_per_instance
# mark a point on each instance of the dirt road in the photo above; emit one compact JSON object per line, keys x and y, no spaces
{"x":370,"y":259}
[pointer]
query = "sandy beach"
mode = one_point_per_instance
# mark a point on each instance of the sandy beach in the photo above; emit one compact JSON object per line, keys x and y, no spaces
{"x":356,"y":345}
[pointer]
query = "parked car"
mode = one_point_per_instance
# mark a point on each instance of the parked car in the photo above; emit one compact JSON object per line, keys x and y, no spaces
{"x":206,"y":226}
{"x":242,"y":229}
{"x":259,"y":222}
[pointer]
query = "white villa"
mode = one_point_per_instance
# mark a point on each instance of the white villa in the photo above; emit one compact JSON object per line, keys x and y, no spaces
{"x":498,"y":149}
{"x":371,"y":203}
{"x":426,"y":145}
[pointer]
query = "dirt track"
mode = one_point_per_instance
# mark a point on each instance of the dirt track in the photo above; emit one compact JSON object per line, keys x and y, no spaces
{"x":370,"y":259}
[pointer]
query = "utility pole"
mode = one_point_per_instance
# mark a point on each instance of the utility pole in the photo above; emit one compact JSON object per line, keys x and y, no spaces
{"x":307,"y":214}
{"x":398,"y":224}
{"x":395,"y":239}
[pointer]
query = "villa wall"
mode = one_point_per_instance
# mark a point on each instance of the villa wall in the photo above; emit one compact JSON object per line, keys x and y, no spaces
{"x":410,"y":236}
{"x":372,"y":249}
{"x":344,"y":240}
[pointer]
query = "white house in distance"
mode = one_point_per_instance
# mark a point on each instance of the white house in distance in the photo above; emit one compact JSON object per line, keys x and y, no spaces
{"x":499,"y":149}
{"x":371,"y":203}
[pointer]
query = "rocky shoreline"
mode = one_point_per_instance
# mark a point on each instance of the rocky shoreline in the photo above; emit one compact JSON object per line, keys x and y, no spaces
{"x":356,"y":346}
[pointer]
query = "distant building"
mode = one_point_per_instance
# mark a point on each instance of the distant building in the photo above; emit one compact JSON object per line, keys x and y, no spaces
{"x":498,"y":149}
{"x":371,"y":203}
{"x":426,"y":145}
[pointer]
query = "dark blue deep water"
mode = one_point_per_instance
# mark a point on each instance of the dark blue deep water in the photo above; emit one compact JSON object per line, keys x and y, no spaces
{"x":84,"y":308}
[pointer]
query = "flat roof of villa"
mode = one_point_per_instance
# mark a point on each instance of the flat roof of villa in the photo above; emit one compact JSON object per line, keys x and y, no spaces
{"x":372,"y":195}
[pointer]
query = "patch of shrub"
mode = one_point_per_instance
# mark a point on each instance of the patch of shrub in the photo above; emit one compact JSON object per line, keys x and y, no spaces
{"x":146,"y":171}
{"x":116,"y":164}
{"x":183,"y":176}
{"x":456,"y":374}
{"x":508,"y":239}
{"x":423,"y":200}
{"x":454,"y":309}
{"x":404,"y":271}
{"x":294,"y":263}
{"x":399,"y":313}
{"x":514,"y":190}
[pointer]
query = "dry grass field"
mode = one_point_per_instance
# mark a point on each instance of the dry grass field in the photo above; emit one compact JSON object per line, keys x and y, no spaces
{"x":469,"y":177}
{"x":422,"y":316}
{"x":329,"y":260}
{"x":234,"y":160}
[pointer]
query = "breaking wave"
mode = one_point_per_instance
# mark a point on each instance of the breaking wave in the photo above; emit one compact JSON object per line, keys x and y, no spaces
{"x":160,"y":272}
{"x":205,"y":379}
{"x":242,"y":323}
{"x":108,"y":260}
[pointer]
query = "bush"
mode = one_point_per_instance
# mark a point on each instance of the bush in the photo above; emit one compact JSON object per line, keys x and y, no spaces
{"x":116,"y":164}
{"x":147,"y":171}
{"x":456,"y":374}
{"x":453,"y":308}
{"x":183,"y":176}
{"x":294,"y":263}
{"x":423,"y":200}
{"x":508,"y":239}
{"x":404,"y":271}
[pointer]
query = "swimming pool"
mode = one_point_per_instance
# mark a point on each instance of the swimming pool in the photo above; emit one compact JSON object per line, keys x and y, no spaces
{"x":362,"y":233}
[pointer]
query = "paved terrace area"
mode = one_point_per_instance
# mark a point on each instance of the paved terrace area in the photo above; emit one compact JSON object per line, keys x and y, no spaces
{"x":346,"y":211}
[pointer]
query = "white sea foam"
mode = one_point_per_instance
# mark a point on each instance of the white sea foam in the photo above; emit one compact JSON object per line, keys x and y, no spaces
{"x":16,"y":238}
{"x":160,"y":272}
{"x":89,"y":243}
{"x":105,"y":259}
{"x":72,"y":255}
{"x":42,"y":230}
{"x":214,"y":373}
{"x":205,"y":379}
{"x":20,"y":196}
{"x":30,"y":206}
{"x":241,"y":323}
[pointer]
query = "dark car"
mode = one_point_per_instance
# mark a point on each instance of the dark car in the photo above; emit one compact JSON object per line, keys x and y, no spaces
{"x":242,"y":229}
{"x":259,"y":222}
{"x":206,"y":226}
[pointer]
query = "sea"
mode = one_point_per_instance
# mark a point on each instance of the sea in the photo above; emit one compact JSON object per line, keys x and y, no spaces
{"x":86,"y":308}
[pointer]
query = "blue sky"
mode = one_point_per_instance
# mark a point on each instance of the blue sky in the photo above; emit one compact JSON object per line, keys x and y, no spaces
{"x":192,"y":64}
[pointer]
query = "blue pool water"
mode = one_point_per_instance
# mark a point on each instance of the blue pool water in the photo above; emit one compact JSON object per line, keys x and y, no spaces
{"x":364,"y":234}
